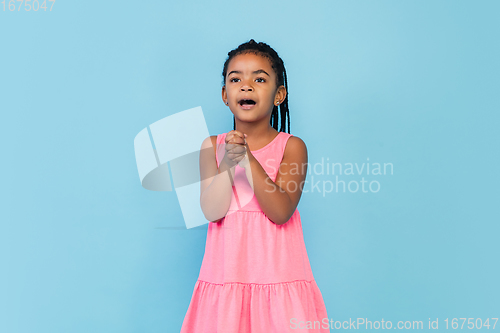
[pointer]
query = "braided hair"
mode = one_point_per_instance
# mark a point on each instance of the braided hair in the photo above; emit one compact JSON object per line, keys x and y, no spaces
{"x":277,"y":64}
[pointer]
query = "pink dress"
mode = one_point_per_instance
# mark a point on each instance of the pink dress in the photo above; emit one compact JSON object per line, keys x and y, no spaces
{"x":255,"y":276}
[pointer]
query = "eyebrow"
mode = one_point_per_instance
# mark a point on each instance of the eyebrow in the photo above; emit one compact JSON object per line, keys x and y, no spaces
{"x":254,"y":72}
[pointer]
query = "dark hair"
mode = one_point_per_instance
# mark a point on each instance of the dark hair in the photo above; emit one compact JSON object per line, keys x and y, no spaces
{"x":277,"y":64}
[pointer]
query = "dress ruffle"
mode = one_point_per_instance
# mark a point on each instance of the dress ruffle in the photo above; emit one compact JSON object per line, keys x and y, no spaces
{"x":256,"y":308}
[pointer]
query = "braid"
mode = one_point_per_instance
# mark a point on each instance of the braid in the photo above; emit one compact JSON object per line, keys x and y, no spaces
{"x":277,"y":64}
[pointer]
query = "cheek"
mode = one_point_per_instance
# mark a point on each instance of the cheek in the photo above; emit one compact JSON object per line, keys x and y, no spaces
{"x":271,"y":96}
{"x":231,"y":90}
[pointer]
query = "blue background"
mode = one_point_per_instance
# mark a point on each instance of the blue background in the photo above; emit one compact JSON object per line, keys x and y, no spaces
{"x":84,"y":248}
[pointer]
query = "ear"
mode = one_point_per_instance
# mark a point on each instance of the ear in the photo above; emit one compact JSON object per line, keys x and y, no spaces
{"x":280,"y":94}
{"x":224,"y":94}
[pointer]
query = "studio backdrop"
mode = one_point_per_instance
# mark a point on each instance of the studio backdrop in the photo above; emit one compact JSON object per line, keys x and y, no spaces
{"x":397,"y":102}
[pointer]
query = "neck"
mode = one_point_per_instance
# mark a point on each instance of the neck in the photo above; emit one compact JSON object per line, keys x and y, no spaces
{"x":260,"y":129}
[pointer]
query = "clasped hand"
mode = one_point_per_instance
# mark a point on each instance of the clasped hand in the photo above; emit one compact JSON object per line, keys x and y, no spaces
{"x":236,"y":149}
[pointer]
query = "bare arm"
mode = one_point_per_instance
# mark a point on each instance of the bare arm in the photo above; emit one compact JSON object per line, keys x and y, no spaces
{"x":279,"y":199}
{"x":216,"y":183}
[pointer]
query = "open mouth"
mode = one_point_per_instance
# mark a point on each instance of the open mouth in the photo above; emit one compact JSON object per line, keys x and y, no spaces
{"x":246,"y":102}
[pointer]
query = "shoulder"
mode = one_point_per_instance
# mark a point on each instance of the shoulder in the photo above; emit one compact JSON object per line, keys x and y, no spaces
{"x":209,"y":141}
{"x":295,"y":144}
{"x":295,"y":148}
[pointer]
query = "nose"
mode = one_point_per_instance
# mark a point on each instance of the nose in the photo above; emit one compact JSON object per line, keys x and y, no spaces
{"x":245,"y":86}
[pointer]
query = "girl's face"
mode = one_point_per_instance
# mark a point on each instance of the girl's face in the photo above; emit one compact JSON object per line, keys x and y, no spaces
{"x":250,"y":90}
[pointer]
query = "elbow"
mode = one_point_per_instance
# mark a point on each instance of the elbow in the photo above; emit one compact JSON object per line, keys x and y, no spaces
{"x":211,"y":216}
{"x":280,"y":222}
{"x":213,"y":219}
{"x":283,"y":219}
{"x":286,"y":214}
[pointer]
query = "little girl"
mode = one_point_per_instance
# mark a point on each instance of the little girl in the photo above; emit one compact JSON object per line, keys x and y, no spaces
{"x":255,"y":276}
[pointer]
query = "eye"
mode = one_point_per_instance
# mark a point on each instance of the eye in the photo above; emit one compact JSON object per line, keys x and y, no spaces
{"x":234,"y":78}
{"x":261,"y":78}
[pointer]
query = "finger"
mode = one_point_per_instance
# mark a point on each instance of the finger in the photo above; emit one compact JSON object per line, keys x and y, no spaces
{"x":238,"y":157}
{"x":231,"y":146}
{"x":239,"y":149}
{"x":237,"y":134}
{"x":230,"y":137}
{"x":239,"y":140}
{"x":241,"y":158}
{"x":236,"y":141}
{"x":235,"y":153}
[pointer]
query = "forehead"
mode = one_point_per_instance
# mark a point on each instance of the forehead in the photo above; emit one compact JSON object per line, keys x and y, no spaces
{"x":250,"y":62}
